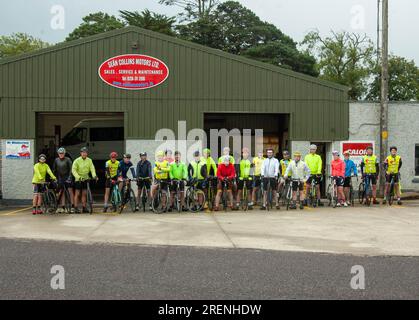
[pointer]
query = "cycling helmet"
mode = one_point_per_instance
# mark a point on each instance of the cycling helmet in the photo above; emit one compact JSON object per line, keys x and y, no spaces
{"x":61,"y":150}
{"x":84,"y":149}
{"x":160,"y":153}
{"x":206,"y":151}
{"x":113,"y":154}
{"x":393,"y":148}
{"x":313,"y":147}
{"x":335,"y":152}
{"x":143,"y":154}
{"x":196,"y":154}
{"x":42,"y":156}
{"x":285,"y":152}
{"x":297,"y":154}
{"x":127,"y":155}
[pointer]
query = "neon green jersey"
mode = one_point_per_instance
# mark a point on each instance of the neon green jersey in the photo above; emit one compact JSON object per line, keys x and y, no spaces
{"x":82,"y":167}
{"x":314,"y":162}
{"x":40,"y":171}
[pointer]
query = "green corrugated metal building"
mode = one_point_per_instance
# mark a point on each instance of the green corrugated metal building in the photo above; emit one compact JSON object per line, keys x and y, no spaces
{"x":202,"y":81}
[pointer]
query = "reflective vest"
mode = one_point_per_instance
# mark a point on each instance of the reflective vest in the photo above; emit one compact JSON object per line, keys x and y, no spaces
{"x":112,"y":168}
{"x":258,"y":165}
{"x":197,"y":168}
{"x":370,"y":164}
{"x":245,"y":166}
{"x":284,"y":165}
{"x":163,"y":172}
{"x":393,"y":164}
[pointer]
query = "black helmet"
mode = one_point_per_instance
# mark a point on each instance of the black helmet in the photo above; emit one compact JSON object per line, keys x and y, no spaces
{"x":42,"y":156}
{"x":143,"y":154}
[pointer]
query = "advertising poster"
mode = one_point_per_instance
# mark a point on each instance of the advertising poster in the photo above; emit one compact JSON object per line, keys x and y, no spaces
{"x":18,"y":149}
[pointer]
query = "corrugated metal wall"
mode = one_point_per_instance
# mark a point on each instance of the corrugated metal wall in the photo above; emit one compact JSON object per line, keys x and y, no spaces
{"x":65,"y":78}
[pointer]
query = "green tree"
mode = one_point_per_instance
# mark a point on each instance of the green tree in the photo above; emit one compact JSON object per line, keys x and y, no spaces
{"x":93,"y":24}
{"x":403,"y":80}
{"x":18,"y":43}
{"x":233,"y":28}
{"x":193,"y":9}
{"x":345,"y":58}
{"x":149,"y":20}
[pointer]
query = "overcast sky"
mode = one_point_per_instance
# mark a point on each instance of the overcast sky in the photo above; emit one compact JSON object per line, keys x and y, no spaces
{"x":293,"y":17}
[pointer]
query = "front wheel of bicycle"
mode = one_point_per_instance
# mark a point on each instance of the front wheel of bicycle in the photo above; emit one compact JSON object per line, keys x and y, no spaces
{"x":195,"y":200}
{"x":160,"y":202}
{"x":361,"y":193}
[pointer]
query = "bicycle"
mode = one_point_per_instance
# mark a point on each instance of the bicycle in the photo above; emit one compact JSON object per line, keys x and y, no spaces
{"x":210,"y":193}
{"x":128,"y":196}
{"x":116,"y":198}
{"x":195,"y":198}
{"x":67,"y":198}
{"x":287,"y":192}
{"x":391,"y":193}
{"x":351,"y":192}
{"x":49,"y":198}
{"x":245,"y":195}
{"x":365,"y":190}
{"x":332,"y":192}
{"x":177,"y":200}
{"x":160,"y":201}
{"x":312,"y":194}
{"x":144,"y":192}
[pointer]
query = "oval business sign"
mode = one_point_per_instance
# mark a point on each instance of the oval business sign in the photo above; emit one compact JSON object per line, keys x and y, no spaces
{"x":133,"y":71}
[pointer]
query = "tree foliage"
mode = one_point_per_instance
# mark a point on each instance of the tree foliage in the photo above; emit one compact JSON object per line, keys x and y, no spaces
{"x":149,"y":20}
{"x":95,"y":23}
{"x":193,"y":9}
{"x":403,"y":80}
{"x":343,"y":57}
{"x":18,"y":43}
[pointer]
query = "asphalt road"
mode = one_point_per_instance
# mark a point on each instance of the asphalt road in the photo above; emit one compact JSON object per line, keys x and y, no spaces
{"x":102,"y":271}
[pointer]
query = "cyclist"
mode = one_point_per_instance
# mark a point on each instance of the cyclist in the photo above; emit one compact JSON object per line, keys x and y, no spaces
{"x":82,"y":167}
{"x":392,"y":165}
{"x":226,"y":152}
{"x":161,"y":174}
{"x":315,"y":163}
{"x":111,"y":175}
{"x":300,"y":173}
{"x":337,"y":166}
{"x":283,"y":164}
{"x":62,"y":170}
{"x":144,"y":170}
{"x":243,"y":175}
{"x":168,"y":156}
{"x":371,"y":168}
{"x":257,"y":166}
{"x":226,"y":172}
{"x":211,"y":170}
{"x":197,"y":173}
{"x":40,"y":171}
{"x":350,"y":170}
{"x":269,"y":173}
{"x":125,"y":167}
{"x":179,"y":172}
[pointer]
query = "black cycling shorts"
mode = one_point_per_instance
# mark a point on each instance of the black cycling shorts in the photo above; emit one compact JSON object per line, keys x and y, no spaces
{"x":249,"y":184}
{"x":143,"y":183}
{"x":297,"y":185}
{"x":257,"y":181}
{"x":372,"y":178}
{"x":80,"y":185}
{"x":317,"y":179}
{"x":339,"y":181}
{"x":347,"y":182}
{"x":110,"y":182}
{"x":38,"y":188}
{"x":389,"y":176}
{"x":173,"y":186}
{"x":273,"y":181}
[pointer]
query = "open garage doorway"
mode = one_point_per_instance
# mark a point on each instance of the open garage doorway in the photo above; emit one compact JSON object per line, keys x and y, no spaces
{"x":275,"y":128}
{"x":101,"y":133}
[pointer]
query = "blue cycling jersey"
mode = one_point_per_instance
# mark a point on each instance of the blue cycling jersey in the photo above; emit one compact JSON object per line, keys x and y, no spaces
{"x":350,"y":168}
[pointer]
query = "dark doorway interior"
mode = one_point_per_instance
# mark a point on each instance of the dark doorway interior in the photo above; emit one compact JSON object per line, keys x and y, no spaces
{"x":321,"y":150}
{"x":275,"y":127}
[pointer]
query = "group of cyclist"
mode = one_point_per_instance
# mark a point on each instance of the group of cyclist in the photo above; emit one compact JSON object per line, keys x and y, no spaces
{"x":170,"y":172}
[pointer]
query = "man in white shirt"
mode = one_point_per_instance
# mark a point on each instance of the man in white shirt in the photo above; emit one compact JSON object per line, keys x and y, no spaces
{"x":269,"y":173}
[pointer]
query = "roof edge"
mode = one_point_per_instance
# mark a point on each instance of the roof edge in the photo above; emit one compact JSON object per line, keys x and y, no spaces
{"x":153,"y":34}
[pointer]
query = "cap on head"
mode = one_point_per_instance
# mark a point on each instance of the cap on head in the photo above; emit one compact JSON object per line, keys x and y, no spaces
{"x":84,"y":149}
{"x":61,"y":150}
{"x":143,"y":154}
{"x":297,"y":154}
{"x":313,"y":147}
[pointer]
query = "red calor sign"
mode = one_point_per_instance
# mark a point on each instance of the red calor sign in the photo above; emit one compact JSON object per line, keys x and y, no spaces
{"x":356,"y":149}
{"x":133,"y":71}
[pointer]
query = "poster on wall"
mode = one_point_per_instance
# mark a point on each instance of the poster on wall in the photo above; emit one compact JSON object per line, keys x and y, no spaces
{"x":357,"y":149}
{"x":18,"y":149}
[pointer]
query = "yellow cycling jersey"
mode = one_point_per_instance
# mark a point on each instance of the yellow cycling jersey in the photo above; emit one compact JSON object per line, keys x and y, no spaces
{"x":370,"y":164}
{"x":314,"y":162}
{"x":161,"y":170}
{"x":393,"y":164}
{"x":284,"y":165}
{"x":111,"y":168}
{"x":40,"y":171}
{"x":257,"y":162}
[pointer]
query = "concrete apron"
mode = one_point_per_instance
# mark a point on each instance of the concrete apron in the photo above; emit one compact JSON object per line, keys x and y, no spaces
{"x":372,"y":231}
